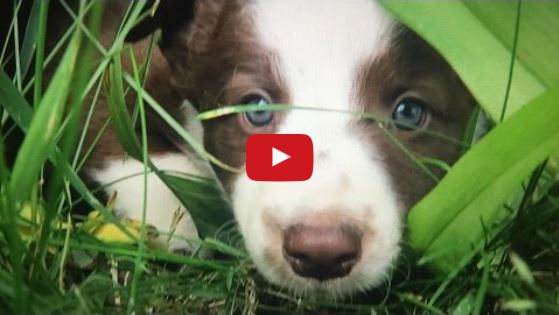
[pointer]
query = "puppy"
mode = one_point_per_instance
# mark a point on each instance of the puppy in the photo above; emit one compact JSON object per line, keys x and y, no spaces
{"x":338,"y":232}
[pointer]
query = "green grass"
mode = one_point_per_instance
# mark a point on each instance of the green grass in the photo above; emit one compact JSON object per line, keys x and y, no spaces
{"x":51,"y":264}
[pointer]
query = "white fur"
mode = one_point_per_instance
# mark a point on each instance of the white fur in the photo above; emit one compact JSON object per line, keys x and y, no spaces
{"x":320,"y":45}
{"x":161,"y":203}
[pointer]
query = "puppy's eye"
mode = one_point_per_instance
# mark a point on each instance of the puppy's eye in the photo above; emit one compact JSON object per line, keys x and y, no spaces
{"x":258,"y":118}
{"x":409,"y":114}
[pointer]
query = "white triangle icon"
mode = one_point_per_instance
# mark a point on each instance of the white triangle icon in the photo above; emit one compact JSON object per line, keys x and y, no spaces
{"x":278,"y":156}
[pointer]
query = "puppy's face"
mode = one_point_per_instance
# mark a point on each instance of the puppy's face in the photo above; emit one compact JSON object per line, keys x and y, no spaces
{"x":338,"y":232}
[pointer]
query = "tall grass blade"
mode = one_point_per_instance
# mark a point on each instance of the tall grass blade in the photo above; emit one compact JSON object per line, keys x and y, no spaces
{"x":14,"y":103}
{"x":8,"y":227}
{"x":31,"y":36}
{"x":44,"y":126}
{"x":40,"y":50}
{"x":118,"y":110}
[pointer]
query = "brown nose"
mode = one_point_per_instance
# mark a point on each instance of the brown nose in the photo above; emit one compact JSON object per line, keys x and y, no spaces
{"x":321,"y":252}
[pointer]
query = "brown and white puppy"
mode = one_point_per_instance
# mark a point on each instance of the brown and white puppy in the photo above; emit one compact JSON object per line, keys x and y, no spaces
{"x":339,"y":232}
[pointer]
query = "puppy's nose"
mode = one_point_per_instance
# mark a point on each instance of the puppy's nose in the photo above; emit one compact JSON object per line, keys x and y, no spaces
{"x":321,"y":252}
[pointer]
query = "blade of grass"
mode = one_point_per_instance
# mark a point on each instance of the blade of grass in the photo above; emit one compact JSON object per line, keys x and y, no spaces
{"x":145,"y":160}
{"x":80,"y":158}
{"x":120,"y":117}
{"x":95,"y":245}
{"x":86,"y":30}
{"x":8,"y":226}
{"x":11,"y":100}
{"x":401,"y":146}
{"x":65,"y":84}
{"x":482,"y":290}
{"x":55,"y":193}
{"x":512,"y":60}
{"x":60,"y":44}
{"x":237,"y":109}
{"x":17,"y":48}
{"x":6,"y":42}
{"x":31,"y":37}
{"x":40,"y":51}
{"x":470,"y":133}
{"x":40,"y":137}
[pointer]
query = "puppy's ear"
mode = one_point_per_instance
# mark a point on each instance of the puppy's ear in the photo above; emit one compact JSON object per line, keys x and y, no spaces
{"x":170,"y":16}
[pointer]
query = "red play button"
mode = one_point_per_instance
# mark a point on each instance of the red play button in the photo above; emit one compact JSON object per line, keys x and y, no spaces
{"x":279,"y":157}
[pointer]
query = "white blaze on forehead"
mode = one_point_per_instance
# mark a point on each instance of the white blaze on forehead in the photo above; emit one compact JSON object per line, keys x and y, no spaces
{"x":320,"y":44}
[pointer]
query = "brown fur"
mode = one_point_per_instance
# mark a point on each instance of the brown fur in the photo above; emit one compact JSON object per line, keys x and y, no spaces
{"x":218,"y":61}
{"x":158,"y":84}
{"x":410,"y":66}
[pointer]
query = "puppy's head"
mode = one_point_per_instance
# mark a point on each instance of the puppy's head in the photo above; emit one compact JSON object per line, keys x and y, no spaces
{"x":338,"y":232}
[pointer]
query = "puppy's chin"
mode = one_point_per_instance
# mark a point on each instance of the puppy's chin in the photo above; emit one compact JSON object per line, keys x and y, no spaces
{"x":361,"y":279}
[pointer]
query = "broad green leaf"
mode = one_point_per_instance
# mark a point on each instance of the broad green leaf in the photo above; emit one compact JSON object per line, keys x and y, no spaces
{"x":538,"y":44}
{"x":476,"y":38}
{"x":450,"y":221}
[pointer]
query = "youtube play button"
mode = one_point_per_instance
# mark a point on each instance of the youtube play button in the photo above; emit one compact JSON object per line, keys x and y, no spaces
{"x":279,"y":157}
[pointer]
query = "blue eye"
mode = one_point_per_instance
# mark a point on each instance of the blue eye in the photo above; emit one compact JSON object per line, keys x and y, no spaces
{"x":409,"y":114}
{"x":258,"y":118}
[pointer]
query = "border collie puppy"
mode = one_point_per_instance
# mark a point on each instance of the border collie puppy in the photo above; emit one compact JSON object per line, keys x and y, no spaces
{"x":338,"y":232}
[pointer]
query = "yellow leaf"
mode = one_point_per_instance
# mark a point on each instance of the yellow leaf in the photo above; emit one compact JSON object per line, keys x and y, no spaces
{"x":108,"y":232}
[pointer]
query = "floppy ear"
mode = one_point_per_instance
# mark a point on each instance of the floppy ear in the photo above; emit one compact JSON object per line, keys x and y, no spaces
{"x":170,"y":16}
